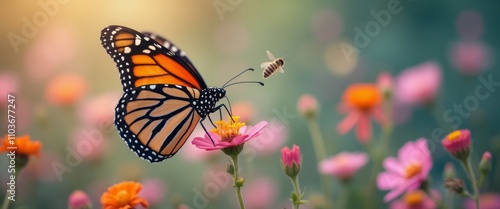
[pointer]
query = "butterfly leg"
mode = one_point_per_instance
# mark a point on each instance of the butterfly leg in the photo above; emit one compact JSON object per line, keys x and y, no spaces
{"x":210,"y":119}
{"x":205,"y":129}
{"x":227,"y":110}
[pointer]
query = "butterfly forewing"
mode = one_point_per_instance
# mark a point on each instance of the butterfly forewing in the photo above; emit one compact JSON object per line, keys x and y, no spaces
{"x":156,"y":120}
{"x":141,"y":60}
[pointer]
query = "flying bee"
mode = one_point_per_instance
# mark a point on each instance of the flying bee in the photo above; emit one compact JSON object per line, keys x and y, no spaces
{"x":273,"y":66}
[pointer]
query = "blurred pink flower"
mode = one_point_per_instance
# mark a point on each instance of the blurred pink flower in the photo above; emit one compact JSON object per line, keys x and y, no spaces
{"x":416,"y":199}
{"x":307,"y":105}
{"x":360,"y":101}
{"x":66,"y":89}
{"x":470,"y":58}
{"x":86,"y":147}
{"x":225,"y":138}
{"x":418,"y":84}
{"x":99,"y":110}
{"x":486,"y":201}
{"x":385,"y":83}
{"x":244,"y":109}
{"x":79,"y":200}
{"x":406,"y":172}
{"x":55,"y":47}
{"x":153,"y":190}
{"x":260,"y":193}
{"x":273,"y":138}
{"x":343,"y":165}
{"x":37,"y":169}
{"x":326,"y":25}
{"x":193,"y":154}
{"x":470,"y":24}
{"x":9,"y":84}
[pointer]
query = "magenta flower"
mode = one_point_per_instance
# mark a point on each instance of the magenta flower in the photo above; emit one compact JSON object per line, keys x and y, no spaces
{"x":487,"y":200}
{"x":79,"y":200}
{"x":415,"y":200}
{"x":229,"y":134}
{"x":418,"y":84}
{"x":458,"y":143}
{"x":291,"y":160}
{"x":470,"y":58}
{"x":406,"y":172}
{"x":343,"y":165}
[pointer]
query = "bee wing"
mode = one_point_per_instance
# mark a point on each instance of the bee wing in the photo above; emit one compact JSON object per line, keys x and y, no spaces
{"x":270,"y":56}
{"x":265,"y":64}
{"x":280,"y":69}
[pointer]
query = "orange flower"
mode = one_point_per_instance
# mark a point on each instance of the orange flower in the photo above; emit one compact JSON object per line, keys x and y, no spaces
{"x":123,"y":196}
{"x":360,"y":102}
{"x":24,"y":145}
{"x":66,"y":89}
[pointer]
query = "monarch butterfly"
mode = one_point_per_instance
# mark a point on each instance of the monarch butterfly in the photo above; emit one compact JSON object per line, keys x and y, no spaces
{"x":164,"y":95}
{"x":273,"y":66}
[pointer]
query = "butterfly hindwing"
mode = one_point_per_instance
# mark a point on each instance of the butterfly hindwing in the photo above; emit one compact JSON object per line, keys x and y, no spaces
{"x":141,"y":60}
{"x":156,"y":120}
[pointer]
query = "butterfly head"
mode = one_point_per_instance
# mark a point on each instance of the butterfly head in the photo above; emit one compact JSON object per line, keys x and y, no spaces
{"x":208,"y":99}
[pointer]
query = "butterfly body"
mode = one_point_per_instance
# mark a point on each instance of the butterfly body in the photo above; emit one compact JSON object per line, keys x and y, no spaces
{"x":164,"y":96}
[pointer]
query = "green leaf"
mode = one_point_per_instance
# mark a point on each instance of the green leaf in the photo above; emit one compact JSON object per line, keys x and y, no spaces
{"x":294,"y":197}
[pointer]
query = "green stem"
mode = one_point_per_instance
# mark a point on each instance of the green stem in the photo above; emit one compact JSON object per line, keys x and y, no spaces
{"x":237,"y":187}
{"x":296,"y":187}
{"x":345,"y":195}
{"x":319,"y":149}
{"x":6,"y":201}
{"x":472,"y":178}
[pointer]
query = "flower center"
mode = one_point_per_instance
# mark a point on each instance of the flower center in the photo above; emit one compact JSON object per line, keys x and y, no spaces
{"x":453,"y":135}
{"x":362,"y":96}
{"x":414,"y":198}
{"x":122,"y":197}
{"x":228,"y":130}
{"x":413,"y":169}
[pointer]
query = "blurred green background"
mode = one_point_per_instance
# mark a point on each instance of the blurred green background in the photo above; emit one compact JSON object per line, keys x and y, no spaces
{"x":65,"y":40}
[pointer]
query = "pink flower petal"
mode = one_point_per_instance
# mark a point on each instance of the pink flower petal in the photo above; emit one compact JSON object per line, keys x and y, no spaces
{"x":392,"y":164}
{"x":347,"y":123}
{"x":364,"y":129}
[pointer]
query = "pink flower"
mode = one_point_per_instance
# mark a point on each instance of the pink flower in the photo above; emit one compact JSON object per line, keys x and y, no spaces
{"x":307,"y":105}
{"x":418,"y":84}
{"x":385,"y":83}
{"x":229,"y":134}
{"x":343,"y":165}
{"x":406,"y":172}
{"x":99,"y":111}
{"x":9,"y":84}
{"x":414,"y":200}
{"x":360,"y":102}
{"x":79,"y":200}
{"x":153,"y":190}
{"x":486,"y":200}
{"x":192,"y":154}
{"x":291,"y":160}
{"x":458,"y":143}
{"x":470,"y":58}
{"x":273,"y":138}
{"x":260,"y":193}
{"x":87,"y":147}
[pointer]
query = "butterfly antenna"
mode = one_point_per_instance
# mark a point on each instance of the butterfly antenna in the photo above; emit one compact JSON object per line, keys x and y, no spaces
{"x":262,"y":84}
{"x":249,"y":69}
{"x":229,"y":103}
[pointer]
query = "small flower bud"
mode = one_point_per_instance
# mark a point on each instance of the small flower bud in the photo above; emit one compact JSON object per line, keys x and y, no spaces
{"x":79,"y":200}
{"x":458,"y":144}
{"x":239,"y":182}
{"x":385,"y":84}
{"x":455,"y":185}
{"x":308,"y":106}
{"x":449,"y":171}
{"x":291,"y":161}
{"x":485,"y":164}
